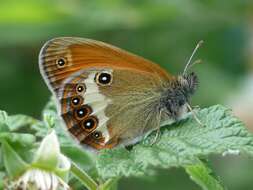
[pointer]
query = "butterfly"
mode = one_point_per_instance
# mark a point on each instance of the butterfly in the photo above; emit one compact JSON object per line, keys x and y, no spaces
{"x":109,"y":97}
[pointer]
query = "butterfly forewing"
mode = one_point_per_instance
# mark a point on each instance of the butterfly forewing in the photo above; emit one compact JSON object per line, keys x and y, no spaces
{"x":61,"y":57}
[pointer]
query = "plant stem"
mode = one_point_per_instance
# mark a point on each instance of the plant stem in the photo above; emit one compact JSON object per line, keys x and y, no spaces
{"x":83,"y":177}
{"x":203,"y":176}
{"x":110,"y":184}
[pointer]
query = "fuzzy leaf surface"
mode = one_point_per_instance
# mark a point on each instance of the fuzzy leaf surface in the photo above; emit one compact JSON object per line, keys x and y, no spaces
{"x":180,"y":144}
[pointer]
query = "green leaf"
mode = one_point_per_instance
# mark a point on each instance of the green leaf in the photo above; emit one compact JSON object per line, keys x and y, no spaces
{"x":13,"y":163}
{"x":1,"y":160}
{"x":69,"y":147}
{"x":110,"y":184}
{"x":180,"y":144}
{"x":81,"y":157}
{"x":48,"y":152}
{"x":22,"y":143}
{"x":18,"y":138}
{"x":83,"y":177}
{"x":50,"y":106}
{"x":8,"y":124}
{"x":203,"y":176}
{"x":3,"y":118}
{"x":16,"y":122}
{"x":1,"y":180}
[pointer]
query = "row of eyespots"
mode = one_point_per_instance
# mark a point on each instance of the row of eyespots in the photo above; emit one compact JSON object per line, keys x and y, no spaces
{"x":102,"y":79}
{"x":84,"y":122}
{"x":77,"y":111}
{"x":76,"y":130}
{"x":81,"y":112}
{"x":88,"y":123}
{"x":91,"y":122}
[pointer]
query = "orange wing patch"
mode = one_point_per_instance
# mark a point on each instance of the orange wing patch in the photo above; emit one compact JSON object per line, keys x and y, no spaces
{"x":61,"y":57}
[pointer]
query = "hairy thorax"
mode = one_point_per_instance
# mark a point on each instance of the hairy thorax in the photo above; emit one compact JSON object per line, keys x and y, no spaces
{"x":177,"y":95}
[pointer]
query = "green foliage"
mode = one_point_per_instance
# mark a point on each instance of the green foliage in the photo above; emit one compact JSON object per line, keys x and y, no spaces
{"x":202,"y":175}
{"x":182,"y":144}
{"x":13,"y":163}
{"x":1,"y":181}
{"x":156,"y":30}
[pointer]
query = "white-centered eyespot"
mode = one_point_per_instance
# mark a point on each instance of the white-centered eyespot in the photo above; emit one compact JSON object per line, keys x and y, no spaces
{"x":80,"y":88}
{"x":82,"y":112}
{"x":103,"y":78}
{"x":90,"y":123}
{"x":76,"y":101}
{"x":61,"y":62}
{"x":97,"y":135}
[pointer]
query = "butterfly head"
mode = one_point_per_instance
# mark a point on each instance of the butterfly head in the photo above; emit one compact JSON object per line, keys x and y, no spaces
{"x":189,"y":83}
{"x":180,"y":89}
{"x":178,"y":94}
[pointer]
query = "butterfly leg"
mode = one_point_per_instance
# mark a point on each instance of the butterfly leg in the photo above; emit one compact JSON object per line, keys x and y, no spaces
{"x":195,"y":115}
{"x":158,"y":131}
{"x":196,"y":107}
{"x":157,"y":136}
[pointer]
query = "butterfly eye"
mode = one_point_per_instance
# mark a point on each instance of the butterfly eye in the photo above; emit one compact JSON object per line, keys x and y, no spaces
{"x":181,"y":102}
{"x":80,"y":88}
{"x":104,"y":78}
{"x":82,"y":112}
{"x":89,"y":123}
{"x":61,"y":62}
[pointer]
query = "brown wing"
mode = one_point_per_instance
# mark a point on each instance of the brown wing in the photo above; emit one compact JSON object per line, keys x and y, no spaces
{"x":61,"y":57}
{"x":135,"y":107}
{"x":82,"y":109}
{"x":121,"y":111}
{"x":102,"y":116}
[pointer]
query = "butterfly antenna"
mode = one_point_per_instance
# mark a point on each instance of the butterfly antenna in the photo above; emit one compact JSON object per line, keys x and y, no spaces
{"x":188,"y":65}
{"x":194,"y":115}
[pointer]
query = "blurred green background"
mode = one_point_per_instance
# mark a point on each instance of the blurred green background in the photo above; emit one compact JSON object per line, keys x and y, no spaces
{"x":162,"y":31}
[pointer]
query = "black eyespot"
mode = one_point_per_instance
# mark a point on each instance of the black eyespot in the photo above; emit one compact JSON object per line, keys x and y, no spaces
{"x":82,"y":112}
{"x":80,"y":88}
{"x":61,"y":62}
{"x":75,"y":101}
{"x":97,"y":135}
{"x":104,"y":78}
{"x":89,"y":123}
